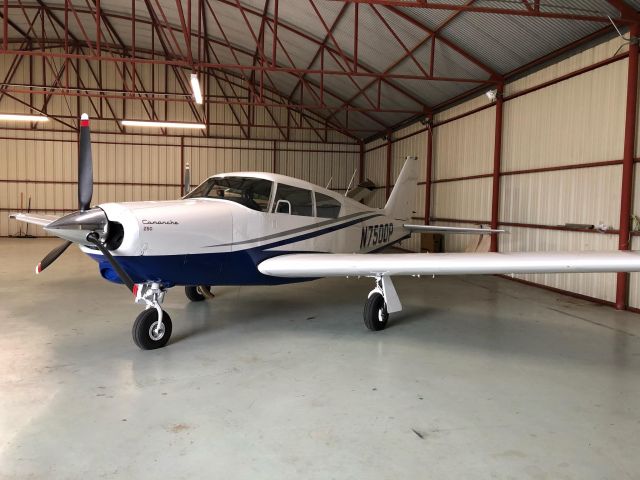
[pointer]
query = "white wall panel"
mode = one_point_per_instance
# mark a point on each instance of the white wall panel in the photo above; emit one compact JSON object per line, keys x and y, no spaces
{"x":587,"y":196}
{"x":575,"y":62}
{"x":463,"y":200}
{"x":43,"y":166}
{"x":461,"y":108}
{"x":376,"y":165}
{"x":319,"y":167}
{"x":465,"y":147}
{"x":598,"y":285}
{"x":416,"y":145}
{"x":579,"y":120}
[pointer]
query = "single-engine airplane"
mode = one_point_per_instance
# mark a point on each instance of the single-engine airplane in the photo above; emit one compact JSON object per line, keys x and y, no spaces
{"x":255,"y":228}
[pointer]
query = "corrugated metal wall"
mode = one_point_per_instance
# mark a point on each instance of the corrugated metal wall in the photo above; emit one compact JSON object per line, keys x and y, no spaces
{"x":560,"y":163}
{"x":42,"y":166}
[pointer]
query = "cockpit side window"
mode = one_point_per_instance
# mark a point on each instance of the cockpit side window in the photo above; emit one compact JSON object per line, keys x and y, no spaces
{"x":253,"y":193}
{"x":299,"y":199}
{"x":326,"y":206}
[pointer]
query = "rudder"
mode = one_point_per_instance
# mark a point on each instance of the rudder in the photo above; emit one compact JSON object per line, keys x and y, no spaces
{"x":402,"y":199}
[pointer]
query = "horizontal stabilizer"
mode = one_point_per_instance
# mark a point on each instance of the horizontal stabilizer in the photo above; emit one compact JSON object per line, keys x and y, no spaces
{"x":443,"y":229}
{"x":310,"y":265}
{"x":42,"y":220}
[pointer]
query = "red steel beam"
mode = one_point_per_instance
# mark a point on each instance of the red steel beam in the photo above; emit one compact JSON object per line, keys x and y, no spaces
{"x":497,"y":151}
{"x":429,"y":167}
{"x":477,"y":9}
{"x":626,"y":11}
{"x":361,"y":163}
{"x":624,"y":243}
{"x":431,"y":35}
{"x":387,"y":183}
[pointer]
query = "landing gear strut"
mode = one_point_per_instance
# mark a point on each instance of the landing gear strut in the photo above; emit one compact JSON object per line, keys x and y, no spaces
{"x":381,"y":301}
{"x":198,"y":293}
{"x":152,"y":328}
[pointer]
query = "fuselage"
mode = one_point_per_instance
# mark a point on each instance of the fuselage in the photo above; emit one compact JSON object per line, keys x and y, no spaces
{"x":219,"y":233}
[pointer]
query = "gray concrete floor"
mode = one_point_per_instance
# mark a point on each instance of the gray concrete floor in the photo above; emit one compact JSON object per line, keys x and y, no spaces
{"x":477,"y":378}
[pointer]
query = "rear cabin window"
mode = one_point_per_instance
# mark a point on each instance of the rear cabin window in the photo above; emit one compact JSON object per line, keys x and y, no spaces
{"x":326,"y":206}
{"x":293,"y":200}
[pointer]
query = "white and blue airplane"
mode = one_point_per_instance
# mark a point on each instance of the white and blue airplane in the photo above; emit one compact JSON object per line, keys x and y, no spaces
{"x":255,"y":228}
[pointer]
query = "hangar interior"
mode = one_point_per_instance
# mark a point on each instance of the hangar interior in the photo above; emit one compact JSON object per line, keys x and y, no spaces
{"x":522,"y":115}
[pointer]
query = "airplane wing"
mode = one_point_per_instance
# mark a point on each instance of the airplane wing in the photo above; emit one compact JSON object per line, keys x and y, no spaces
{"x":42,"y":220}
{"x":309,"y":265}
{"x":443,"y":229}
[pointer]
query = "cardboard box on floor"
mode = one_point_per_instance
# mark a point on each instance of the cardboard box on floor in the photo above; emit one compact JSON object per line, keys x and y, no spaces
{"x":431,"y":242}
{"x":434,"y":243}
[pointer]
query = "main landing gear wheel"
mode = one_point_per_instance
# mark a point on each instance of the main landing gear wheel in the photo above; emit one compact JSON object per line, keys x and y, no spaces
{"x":146,"y":333}
{"x":198,"y":293}
{"x":375,"y":312}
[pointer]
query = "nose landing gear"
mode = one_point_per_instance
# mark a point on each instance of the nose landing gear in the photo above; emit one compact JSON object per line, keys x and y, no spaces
{"x":152,"y":328}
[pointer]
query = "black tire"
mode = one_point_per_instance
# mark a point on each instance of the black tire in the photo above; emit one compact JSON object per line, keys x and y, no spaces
{"x":142,"y":334}
{"x":193,"y":292}
{"x":375,"y":313}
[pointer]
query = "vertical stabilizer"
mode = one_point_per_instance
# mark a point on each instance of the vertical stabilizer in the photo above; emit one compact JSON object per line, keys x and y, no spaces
{"x":403,"y":196}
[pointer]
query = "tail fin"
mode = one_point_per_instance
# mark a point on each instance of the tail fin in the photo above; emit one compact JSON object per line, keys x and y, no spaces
{"x":403,"y":196}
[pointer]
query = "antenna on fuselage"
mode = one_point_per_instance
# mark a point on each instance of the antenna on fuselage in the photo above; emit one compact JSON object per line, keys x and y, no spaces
{"x":187,"y":179}
{"x":350,"y":182}
{"x":329,"y":183}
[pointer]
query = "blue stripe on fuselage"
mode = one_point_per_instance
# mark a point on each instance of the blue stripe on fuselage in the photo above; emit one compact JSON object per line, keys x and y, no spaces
{"x":226,"y":268}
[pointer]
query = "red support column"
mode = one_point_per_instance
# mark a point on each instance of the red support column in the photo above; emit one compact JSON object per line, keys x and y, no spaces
{"x":627,"y":166}
{"x":361,"y":164}
{"x":427,"y":185}
{"x":274,"y":159}
{"x":389,"y":159}
{"x":497,"y":151}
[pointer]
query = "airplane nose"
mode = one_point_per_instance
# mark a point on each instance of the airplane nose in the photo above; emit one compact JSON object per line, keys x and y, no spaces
{"x":77,"y":225}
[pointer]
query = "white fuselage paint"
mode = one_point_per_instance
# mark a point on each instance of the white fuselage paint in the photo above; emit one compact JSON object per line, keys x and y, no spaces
{"x":209,"y":226}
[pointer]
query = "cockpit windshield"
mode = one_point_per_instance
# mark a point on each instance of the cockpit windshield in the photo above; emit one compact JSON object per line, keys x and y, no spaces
{"x":251,"y":192}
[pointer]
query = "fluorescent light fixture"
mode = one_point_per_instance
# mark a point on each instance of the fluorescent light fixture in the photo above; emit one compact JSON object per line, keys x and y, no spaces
{"x":492,"y":95}
{"x":195,"y":87}
{"x":139,"y":123}
{"x":11,"y":117}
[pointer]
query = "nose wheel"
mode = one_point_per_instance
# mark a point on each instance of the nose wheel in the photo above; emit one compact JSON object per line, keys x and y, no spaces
{"x":149,"y":333}
{"x":152,"y":328}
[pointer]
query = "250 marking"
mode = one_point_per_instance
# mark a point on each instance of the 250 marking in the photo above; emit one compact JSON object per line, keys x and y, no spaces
{"x":375,"y":234}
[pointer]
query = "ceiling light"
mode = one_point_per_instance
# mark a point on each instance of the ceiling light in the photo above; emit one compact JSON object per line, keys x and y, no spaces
{"x":492,"y":95}
{"x":139,"y":123}
{"x":10,"y":117}
{"x":195,"y":87}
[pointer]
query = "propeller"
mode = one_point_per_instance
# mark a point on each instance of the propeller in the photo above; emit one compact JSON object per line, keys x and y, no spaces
{"x":52,"y":256}
{"x":85,"y":187}
{"x":87,"y":224}
{"x":85,"y":165}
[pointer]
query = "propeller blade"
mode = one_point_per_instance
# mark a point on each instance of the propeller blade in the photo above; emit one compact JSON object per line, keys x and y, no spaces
{"x":124,"y":276}
{"x":52,"y":256}
{"x":85,"y":165}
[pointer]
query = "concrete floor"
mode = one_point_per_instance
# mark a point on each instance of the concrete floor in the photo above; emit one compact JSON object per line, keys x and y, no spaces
{"x":477,"y":378}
